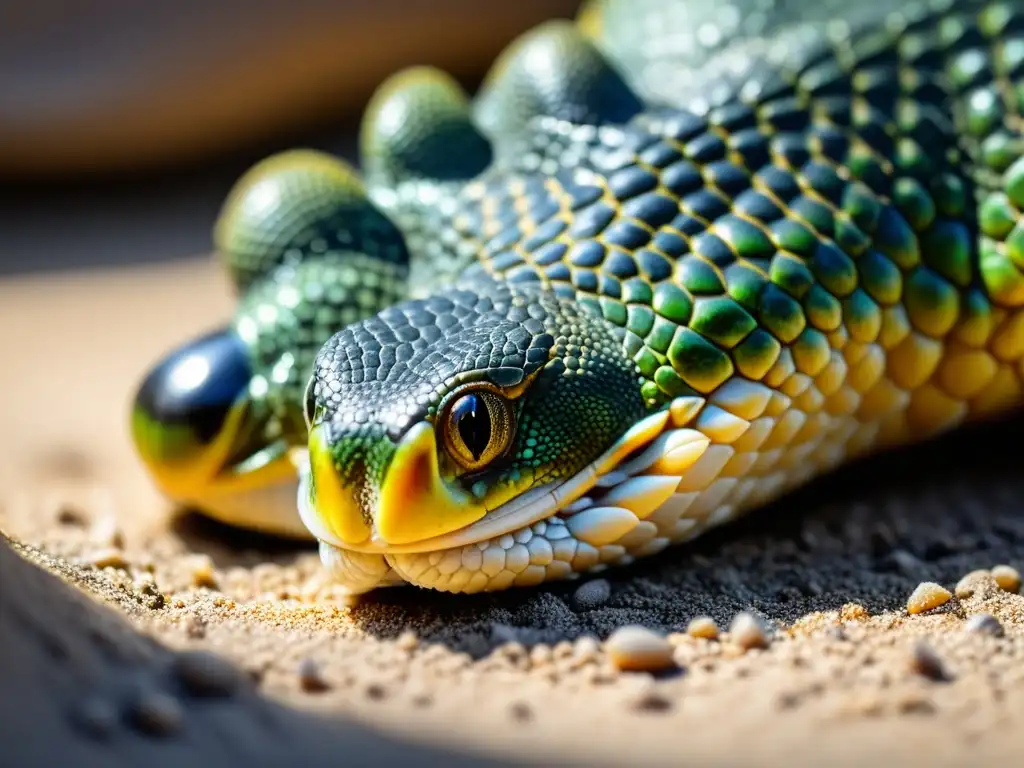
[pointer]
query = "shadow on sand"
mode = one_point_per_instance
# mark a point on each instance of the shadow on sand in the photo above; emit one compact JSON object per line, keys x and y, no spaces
{"x":78,"y":686}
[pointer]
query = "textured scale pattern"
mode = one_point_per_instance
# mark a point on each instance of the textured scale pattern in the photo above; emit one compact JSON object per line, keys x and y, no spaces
{"x":755,"y":239}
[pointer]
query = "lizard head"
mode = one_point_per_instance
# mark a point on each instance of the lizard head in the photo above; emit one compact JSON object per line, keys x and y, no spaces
{"x":451,"y":421}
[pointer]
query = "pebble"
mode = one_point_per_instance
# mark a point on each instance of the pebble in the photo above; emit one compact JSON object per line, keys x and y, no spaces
{"x":156,"y":599}
{"x":203,"y":674}
{"x":651,"y":701}
{"x":407,"y":641}
{"x":108,"y":557}
{"x":71,"y":515}
{"x":968,"y":585}
{"x":521,"y":712}
{"x":925,"y":662}
{"x":1007,"y":577}
{"x":105,"y":532}
{"x":375,"y":692}
{"x":747,"y":631}
{"x":984,"y":624}
{"x":202,"y":572}
{"x":422,"y":699}
{"x":540,"y":655}
{"x":638,"y":649}
{"x":157,"y":714}
{"x":311,"y":678}
{"x":593,"y":594}
{"x":586,"y":649}
{"x":642,"y":694}
{"x":927,"y":596}
{"x":562,"y":650}
{"x":512,"y":650}
{"x":703,"y":627}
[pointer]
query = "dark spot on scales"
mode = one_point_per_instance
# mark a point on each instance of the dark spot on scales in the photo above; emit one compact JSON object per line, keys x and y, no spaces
{"x":506,"y":377}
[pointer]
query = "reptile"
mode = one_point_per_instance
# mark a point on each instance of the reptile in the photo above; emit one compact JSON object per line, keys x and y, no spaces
{"x":673,"y":261}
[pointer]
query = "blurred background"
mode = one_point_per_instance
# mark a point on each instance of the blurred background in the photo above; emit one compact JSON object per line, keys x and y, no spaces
{"x":123,"y":124}
{"x":122,"y":127}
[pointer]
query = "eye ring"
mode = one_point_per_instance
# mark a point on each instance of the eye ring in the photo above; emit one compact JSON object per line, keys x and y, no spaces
{"x":477,"y":427}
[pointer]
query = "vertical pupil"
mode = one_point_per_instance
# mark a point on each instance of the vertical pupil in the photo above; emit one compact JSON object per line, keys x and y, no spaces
{"x":474,"y":424}
{"x":310,"y":402}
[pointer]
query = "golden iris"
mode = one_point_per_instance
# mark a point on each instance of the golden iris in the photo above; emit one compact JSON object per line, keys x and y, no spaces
{"x":477,"y":428}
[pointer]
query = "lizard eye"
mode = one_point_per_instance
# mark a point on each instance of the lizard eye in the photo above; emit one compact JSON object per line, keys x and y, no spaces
{"x":309,"y":402}
{"x":478,"y":428}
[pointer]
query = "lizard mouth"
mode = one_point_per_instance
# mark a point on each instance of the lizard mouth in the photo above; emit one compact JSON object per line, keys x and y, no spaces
{"x":552,"y":531}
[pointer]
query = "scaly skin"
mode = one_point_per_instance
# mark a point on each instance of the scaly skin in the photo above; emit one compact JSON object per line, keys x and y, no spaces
{"x":671,"y":263}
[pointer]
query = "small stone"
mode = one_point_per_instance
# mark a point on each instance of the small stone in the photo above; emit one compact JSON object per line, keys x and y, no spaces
{"x":927,"y":596}
{"x":586,"y":649}
{"x":422,"y":699}
{"x":376,"y":692}
{"x":967,"y":585}
{"x":202,"y":572}
{"x":915,"y":704}
{"x":157,"y":714}
{"x":407,"y":641}
{"x":311,"y":678}
{"x":156,"y":599}
{"x":651,"y":700}
{"x":1007,"y":577}
{"x":865,"y":704}
{"x":108,"y":557}
{"x":203,"y":674}
{"x":593,"y":594}
{"x":638,"y":649}
{"x":540,"y":655}
{"x":512,"y":650}
{"x":521,"y":712}
{"x":105,"y":532}
{"x":925,"y":662}
{"x":788,"y":700}
{"x":984,"y":624}
{"x":642,"y":694}
{"x":703,"y":627}
{"x":562,"y":650}
{"x":747,"y":631}
{"x":977,"y":583}
{"x":70,"y":515}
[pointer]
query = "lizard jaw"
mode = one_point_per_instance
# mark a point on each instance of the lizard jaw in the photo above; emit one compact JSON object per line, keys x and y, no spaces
{"x":550,"y":532}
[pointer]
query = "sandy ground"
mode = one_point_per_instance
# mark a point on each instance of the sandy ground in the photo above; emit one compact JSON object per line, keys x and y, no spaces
{"x":93,"y":674}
